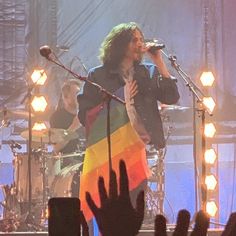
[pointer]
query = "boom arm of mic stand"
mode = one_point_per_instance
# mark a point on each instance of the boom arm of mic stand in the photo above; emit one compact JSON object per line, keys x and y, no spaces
{"x":189,"y":83}
{"x":107,"y":93}
{"x":108,"y":98}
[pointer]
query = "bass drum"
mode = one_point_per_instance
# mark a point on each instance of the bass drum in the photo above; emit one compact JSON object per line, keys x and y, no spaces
{"x":21,"y":174}
{"x":67,"y":182}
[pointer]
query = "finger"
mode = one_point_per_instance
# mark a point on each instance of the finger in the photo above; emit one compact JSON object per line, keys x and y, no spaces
{"x":140,"y":205}
{"x":160,"y":226}
{"x":124,"y":182}
{"x":113,"y":185}
{"x":230,"y":228}
{"x":85,"y":229}
{"x":91,"y":204}
{"x":102,"y":190}
{"x":182,"y":224}
{"x":132,"y":94}
{"x":201,"y":224}
{"x":133,"y":85}
{"x":154,"y":55}
{"x":134,"y":89}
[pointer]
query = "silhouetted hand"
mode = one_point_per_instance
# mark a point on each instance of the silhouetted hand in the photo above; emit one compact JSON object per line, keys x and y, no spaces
{"x":182,"y":224}
{"x":160,"y":226}
{"x":116,"y":216}
{"x":181,"y":228}
{"x":83,"y":223}
{"x":230,"y":228}
{"x":201,"y":224}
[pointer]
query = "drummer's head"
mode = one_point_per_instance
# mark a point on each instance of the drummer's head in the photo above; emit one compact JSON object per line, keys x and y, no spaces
{"x":70,"y":90}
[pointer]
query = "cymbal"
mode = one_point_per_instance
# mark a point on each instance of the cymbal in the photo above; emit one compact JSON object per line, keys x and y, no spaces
{"x":51,"y":135}
{"x":69,"y":155}
{"x":164,"y":107}
{"x":14,"y":114}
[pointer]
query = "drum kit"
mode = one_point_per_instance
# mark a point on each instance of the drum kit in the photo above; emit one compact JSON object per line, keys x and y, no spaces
{"x":47,"y":180}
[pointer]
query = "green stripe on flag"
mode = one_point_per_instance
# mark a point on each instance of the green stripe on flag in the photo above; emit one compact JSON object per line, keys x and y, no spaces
{"x":118,"y":118}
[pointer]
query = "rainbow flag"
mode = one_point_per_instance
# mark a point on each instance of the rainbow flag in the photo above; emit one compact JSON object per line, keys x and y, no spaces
{"x":125,"y":144}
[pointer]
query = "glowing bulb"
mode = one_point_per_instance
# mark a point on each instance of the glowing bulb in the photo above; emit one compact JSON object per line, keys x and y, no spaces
{"x":211,"y":208}
{"x":39,"y":103}
{"x":209,"y":103}
{"x":207,"y":78}
{"x":210,"y":156}
{"x":209,"y":130}
{"x":39,"y":77}
{"x":210,"y":182}
{"x":38,"y":126}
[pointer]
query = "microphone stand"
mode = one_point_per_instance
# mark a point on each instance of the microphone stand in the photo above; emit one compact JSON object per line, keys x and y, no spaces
{"x":29,"y":220}
{"x":202,"y":110}
{"x":108,"y":97}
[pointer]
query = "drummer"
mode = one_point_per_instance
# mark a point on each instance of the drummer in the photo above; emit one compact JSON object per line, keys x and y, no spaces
{"x":65,"y":117}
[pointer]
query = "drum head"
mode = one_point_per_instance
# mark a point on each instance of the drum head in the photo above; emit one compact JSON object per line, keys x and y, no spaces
{"x":66,"y":183}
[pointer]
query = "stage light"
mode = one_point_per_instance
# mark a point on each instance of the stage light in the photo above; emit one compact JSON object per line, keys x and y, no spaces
{"x":209,"y":130}
{"x":39,"y":77}
{"x":211,"y":208}
{"x":39,"y":103}
{"x":39,"y":126}
{"x":207,"y":78}
{"x":209,"y":103}
{"x":210,"y":156}
{"x":210,"y":182}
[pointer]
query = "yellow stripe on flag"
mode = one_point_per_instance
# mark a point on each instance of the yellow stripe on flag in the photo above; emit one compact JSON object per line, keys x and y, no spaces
{"x":124,"y":137}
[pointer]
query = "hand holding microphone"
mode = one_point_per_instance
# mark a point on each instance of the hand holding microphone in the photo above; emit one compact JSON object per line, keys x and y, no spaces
{"x":152,"y":46}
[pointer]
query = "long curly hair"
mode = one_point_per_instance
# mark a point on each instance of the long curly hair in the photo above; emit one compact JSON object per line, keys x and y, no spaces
{"x":115,"y":44}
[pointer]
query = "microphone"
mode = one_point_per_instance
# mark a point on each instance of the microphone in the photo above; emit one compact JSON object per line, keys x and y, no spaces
{"x":45,"y":51}
{"x":154,"y":45}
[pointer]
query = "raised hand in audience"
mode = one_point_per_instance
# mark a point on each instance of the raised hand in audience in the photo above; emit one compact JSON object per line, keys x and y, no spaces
{"x":182,"y":223}
{"x":85,"y":229}
{"x":230,"y":228}
{"x":117,"y":216}
{"x":201,"y":224}
{"x":160,"y":225}
{"x":181,"y":228}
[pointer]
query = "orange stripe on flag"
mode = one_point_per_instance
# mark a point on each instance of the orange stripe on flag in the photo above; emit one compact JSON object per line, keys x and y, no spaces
{"x":122,"y":139}
{"x":137,"y":170}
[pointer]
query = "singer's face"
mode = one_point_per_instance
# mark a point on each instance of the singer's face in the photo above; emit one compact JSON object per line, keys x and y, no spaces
{"x":135,"y":47}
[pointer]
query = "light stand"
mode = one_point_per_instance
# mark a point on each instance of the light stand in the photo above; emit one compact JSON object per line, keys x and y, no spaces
{"x":197,"y":94}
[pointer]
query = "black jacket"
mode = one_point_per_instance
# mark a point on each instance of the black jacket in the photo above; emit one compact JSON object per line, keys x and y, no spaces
{"x":151,"y":88}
